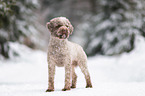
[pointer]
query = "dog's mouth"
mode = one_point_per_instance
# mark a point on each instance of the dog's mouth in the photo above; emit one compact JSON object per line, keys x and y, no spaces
{"x":63,"y":33}
{"x":63,"y":36}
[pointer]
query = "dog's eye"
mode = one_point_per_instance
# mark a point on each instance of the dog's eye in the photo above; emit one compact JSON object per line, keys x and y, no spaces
{"x":58,"y":26}
{"x":67,"y":26}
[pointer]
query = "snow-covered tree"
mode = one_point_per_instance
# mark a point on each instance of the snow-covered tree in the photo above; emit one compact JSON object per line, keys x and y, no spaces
{"x":113,"y":29}
{"x":16,"y":19}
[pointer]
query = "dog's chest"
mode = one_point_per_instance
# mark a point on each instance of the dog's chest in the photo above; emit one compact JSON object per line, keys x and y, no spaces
{"x":58,"y":54}
{"x":58,"y":51}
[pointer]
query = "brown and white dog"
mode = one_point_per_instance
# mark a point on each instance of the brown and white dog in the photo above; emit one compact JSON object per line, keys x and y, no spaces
{"x":63,"y":53}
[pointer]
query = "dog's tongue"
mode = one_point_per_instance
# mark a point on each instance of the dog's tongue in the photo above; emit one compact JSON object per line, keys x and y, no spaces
{"x":64,"y":36}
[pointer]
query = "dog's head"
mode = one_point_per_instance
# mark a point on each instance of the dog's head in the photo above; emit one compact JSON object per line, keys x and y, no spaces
{"x":60,"y":27}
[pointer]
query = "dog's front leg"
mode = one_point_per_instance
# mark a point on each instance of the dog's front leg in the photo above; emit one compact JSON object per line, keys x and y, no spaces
{"x":51,"y":71}
{"x":68,"y":74}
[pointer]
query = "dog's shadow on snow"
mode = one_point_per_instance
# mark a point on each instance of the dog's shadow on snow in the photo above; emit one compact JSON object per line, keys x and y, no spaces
{"x":30,"y":88}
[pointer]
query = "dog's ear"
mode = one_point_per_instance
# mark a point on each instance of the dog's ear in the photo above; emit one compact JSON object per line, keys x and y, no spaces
{"x":71,"y":28}
{"x":48,"y":25}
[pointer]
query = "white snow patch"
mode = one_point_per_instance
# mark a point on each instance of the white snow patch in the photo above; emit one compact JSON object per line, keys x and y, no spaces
{"x":122,"y":75}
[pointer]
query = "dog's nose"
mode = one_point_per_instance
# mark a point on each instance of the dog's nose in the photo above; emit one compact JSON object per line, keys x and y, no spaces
{"x":64,"y":31}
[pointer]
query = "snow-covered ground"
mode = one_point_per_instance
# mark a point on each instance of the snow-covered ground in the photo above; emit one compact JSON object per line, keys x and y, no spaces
{"x":122,"y":75}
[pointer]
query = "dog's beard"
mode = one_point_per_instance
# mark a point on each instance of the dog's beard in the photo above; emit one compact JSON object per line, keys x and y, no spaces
{"x":62,"y":36}
{"x":62,"y":33}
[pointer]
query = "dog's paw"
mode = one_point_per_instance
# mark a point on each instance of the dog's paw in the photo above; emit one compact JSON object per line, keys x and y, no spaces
{"x":73,"y":86}
{"x":89,"y":86}
{"x":49,"y":90}
{"x":65,"y":89}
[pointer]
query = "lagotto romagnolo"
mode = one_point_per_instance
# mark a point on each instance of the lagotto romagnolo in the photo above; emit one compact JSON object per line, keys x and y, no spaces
{"x":63,"y":53}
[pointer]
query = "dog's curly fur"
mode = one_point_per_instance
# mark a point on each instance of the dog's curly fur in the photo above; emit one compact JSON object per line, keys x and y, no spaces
{"x":62,"y":52}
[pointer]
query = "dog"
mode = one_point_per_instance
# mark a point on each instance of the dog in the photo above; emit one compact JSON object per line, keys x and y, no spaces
{"x":63,"y":53}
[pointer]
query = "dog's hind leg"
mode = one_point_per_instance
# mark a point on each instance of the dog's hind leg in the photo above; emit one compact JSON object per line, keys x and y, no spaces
{"x":74,"y":77}
{"x":84,"y":69}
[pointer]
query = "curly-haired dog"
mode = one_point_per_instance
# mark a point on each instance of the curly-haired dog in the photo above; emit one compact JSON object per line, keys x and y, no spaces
{"x":62,"y":52}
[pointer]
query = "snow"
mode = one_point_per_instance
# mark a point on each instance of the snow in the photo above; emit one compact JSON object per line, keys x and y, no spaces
{"x":26,"y":74}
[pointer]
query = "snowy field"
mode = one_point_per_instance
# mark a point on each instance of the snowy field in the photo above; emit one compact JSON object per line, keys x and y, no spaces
{"x":122,"y":75}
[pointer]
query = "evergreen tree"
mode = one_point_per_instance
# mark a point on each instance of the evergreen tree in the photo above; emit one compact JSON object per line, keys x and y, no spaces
{"x":15,"y":18}
{"x":114,"y":28}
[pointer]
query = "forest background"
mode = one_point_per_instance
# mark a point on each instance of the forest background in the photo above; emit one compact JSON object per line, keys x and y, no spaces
{"x":106,"y":27}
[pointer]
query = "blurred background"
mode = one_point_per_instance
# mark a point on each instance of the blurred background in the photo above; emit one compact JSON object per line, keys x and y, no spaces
{"x":106,"y":27}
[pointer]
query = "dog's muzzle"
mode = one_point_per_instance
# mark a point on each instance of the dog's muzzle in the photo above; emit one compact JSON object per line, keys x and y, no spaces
{"x":63,"y":32}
